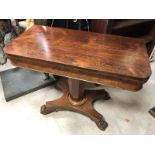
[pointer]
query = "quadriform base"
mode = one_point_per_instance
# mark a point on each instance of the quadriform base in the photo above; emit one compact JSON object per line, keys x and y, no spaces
{"x":83,"y":105}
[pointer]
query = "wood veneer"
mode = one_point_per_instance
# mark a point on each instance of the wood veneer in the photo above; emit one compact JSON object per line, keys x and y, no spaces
{"x":110,"y":60}
{"x":81,"y":56}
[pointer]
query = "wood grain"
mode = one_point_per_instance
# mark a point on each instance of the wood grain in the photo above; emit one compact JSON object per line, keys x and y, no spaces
{"x":105,"y":59}
{"x":83,"y":106}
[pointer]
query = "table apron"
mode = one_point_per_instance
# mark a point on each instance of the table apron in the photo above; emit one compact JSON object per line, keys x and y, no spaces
{"x":76,"y":73}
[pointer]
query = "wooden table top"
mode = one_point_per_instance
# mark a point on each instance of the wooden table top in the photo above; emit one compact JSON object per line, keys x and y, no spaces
{"x":82,"y":55}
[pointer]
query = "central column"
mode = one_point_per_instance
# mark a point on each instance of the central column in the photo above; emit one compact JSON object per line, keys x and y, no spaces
{"x":76,"y":91}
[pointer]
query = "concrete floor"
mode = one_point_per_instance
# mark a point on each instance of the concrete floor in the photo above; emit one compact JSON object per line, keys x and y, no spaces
{"x":126,"y":113}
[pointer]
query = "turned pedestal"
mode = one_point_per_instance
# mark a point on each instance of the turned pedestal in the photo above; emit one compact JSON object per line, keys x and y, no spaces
{"x":109,"y":60}
{"x":76,"y":98}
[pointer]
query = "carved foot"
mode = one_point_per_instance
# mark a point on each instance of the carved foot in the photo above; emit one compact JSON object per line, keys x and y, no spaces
{"x":53,"y":106}
{"x":96,"y":117}
{"x":102,"y":124}
{"x":87,"y":109}
{"x":46,"y":110}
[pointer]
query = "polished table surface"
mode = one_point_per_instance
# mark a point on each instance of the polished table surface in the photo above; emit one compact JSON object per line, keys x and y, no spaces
{"x":110,"y":60}
{"x":82,"y":56}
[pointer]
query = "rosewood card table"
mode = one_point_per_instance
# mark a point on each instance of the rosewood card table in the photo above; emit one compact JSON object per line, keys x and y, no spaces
{"x":81,"y":56}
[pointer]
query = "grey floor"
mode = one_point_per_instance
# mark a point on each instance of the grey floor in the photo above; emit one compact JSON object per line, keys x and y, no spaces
{"x":126,"y":113}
